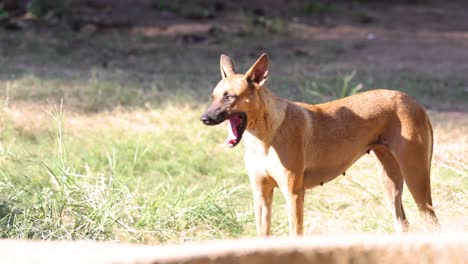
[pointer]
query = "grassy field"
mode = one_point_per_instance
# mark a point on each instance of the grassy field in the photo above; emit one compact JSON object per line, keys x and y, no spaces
{"x":100,"y":139}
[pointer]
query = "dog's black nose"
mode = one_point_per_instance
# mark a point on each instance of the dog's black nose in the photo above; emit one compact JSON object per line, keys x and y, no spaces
{"x":205,"y":119}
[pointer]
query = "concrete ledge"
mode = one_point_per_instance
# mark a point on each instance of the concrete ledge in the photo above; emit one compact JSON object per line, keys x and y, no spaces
{"x":431,"y":248}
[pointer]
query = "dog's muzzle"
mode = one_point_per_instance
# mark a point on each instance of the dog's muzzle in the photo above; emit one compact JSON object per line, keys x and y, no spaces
{"x":206,"y":120}
{"x":211,"y":120}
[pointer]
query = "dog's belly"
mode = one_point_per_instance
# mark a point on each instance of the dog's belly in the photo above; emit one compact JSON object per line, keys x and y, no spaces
{"x":318,"y":174}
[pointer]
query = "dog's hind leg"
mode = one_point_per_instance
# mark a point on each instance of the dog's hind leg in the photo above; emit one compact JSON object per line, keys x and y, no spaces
{"x":417,"y":178}
{"x":414,"y":158}
{"x":393,"y":183}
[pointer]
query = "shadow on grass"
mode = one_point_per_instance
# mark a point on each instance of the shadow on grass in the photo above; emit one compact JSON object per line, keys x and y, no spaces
{"x":105,"y":67}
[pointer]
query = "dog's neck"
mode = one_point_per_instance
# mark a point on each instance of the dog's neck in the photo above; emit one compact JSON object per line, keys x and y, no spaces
{"x":272,"y":112}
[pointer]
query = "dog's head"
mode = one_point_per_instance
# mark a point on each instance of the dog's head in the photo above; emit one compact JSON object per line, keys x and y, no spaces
{"x":236,"y":98}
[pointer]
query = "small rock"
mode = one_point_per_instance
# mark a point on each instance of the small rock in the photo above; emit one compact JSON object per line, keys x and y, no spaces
{"x":300,"y":53}
{"x":371,"y":36}
{"x":88,"y":29}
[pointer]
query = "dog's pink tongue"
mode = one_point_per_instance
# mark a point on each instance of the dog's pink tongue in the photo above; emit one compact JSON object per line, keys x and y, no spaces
{"x":233,"y":123}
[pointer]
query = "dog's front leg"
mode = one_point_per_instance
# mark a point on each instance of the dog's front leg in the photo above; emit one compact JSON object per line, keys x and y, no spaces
{"x":263,"y":195}
{"x":294,"y":196}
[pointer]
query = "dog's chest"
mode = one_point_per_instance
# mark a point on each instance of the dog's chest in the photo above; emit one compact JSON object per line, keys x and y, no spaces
{"x":263,"y":163}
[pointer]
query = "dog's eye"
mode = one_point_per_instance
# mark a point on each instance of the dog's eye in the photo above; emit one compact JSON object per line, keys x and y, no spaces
{"x":228,"y":97}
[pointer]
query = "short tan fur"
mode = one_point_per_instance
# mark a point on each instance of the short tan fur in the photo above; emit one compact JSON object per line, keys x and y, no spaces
{"x":296,"y":146}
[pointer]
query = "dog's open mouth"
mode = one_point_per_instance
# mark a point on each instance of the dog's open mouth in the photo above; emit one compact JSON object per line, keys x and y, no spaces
{"x":236,"y":127}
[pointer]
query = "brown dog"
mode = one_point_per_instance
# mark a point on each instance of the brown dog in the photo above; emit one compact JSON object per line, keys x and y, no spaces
{"x":295,"y":146}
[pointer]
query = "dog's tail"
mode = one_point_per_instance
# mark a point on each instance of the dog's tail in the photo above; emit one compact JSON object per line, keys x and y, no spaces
{"x":432,"y":141}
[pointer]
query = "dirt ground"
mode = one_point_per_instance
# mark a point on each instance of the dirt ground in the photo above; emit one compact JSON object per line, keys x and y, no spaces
{"x":430,"y":37}
{"x":425,"y":38}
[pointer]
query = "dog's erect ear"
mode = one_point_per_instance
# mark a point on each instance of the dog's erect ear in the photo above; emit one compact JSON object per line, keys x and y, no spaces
{"x":259,"y":71}
{"x":226,"y":66}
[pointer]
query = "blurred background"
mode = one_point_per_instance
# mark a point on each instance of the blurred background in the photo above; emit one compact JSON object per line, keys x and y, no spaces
{"x":100,"y":100}
{"x":173,"y":46}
